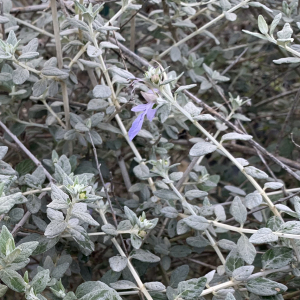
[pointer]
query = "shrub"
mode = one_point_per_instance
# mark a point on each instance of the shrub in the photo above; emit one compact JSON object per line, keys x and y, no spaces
{"x":117,"y":181}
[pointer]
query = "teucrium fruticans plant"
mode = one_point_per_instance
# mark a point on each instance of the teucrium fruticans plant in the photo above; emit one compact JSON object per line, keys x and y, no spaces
{"x":89,"y":121}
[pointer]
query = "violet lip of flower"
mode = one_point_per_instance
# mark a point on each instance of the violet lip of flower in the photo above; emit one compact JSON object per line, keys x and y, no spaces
{"x":146,"y":109}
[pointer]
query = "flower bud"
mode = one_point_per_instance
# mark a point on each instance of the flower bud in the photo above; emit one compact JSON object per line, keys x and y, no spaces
{"x":142,"y":233}
{"x":155,"y":78}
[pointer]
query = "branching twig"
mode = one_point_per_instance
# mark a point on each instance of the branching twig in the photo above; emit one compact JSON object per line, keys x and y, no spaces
{"x":60,"y":61}
{"x":104,"y":186}
{"x":25,"y":150}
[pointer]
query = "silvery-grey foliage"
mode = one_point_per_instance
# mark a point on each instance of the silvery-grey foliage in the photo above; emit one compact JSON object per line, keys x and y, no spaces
{"x":117,"y":181}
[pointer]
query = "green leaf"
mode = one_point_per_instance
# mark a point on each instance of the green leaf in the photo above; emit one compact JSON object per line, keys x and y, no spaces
{"x":275,"y":22}
{"x":144,"y":256}
{"x":258,"y":35}
{"x":83,"y":240}
{"x":154,"y":286}
{"x":257,"y":4}
{"x":109,"y":229}
{"x":256,"y":173}
{"x":242,"y":273}
{"x":39,"y":88}
{"x":6,"y":169}
{"x":277,"y":257}
{"x":262,"y":25}
{"x":3,"y":290}
{"x":178,"y":275}
{"x":95,"y":290}
{"x":180,"y":251}
{"x":197,"y":222}
{"x":10,"y":258}
{"x":193,"y":194}
{"x":197,"y":241}
{"x":5,"y":237}
{"x":123,"y":285}
{"x":286,"y":60}
{"x":78,"y":24}
{"x":20,"y":75}
{"x":265,"y":287}
{"x":292,"y":227}
{"x":202,"y":148}
{"x":273,"y":185}
{"x":97,"y":140}
{"x":28,"y":55}
{"x":59,"y":198}
{"x":233,"y":262}
{"x":13,"y":280}
{"x":118,"y":263}
{"x":191,"y":289}
{"x":238,"y":210}
{"x":274,"y":223}
{"x":253,"y":200}
{"x":236,"y":136}
{"x":246,"y":250}
{"x":31,"y":46}
{"x":169,"y":212}
{"x":25,"y":166}
{"x":26,"y":250}
{"x":101,"y":91}
{"x":40,"y":280}
{"x":55,"y":228}
{"x":52,"y":71}
{"x":60,"y":270}
{"x":7,"y":202}
{"x":12,"y":39}
{"x":166,"y":194}
{"x":263,"y":236}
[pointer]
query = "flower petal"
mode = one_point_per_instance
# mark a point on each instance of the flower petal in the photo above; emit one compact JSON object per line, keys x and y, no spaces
{"x":141,"y":107}
{"x":151,"y":114}
{"x":149,"y":97}
{"x":136,"y":126}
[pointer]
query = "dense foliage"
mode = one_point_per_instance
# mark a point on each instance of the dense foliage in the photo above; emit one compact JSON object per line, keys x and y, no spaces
{"x":149,"y":150}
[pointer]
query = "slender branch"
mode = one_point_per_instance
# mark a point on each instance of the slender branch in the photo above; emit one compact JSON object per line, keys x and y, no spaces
{"x":114,"y":101}
{"x":104,"y":186}
{"x":125,"y":174}
{"x":271,"y":99}
{"x":236,"y":129}
{"x":60,"y":62}
{"x":202,"y":263}
{"x":31,"y":8}
{"x":250,"y":151}
{"x":234,"y":62}
{"x":53,"y":113}
{"x":139,"y":62}
{"x":47,"y":189}
{"x":235,"y":283}
{"x":229,"y":155}
{"x":9,"y":144}
{"x":25,"y":150}
{"x":287,"y":120}
{"x":129,"y":264}
{"x":201,"y":29}
{"x":42,"y":31}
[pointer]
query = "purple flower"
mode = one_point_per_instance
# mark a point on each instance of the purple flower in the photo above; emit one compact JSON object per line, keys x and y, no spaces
{"x":146,"y":109}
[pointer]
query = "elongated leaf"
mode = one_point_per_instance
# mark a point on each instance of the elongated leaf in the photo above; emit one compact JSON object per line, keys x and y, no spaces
{"x":196,"y":222}
{"x":13,"y":280}
{"x":246,"y":250}
{"x":277,"y":257}
{"x":265,"y":287}
{"x":238,"y":210}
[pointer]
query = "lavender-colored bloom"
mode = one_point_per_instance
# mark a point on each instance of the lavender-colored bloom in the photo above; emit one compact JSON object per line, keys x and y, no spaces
{"x":146,"y":110}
